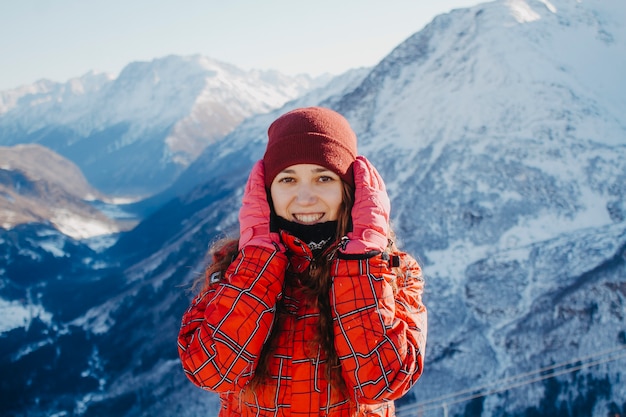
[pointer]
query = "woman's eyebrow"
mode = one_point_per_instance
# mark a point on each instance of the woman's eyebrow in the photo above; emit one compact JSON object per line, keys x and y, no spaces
{"x":316,"y":170}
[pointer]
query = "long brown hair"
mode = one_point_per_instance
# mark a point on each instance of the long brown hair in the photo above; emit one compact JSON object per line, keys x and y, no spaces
{"x":220,"y":255}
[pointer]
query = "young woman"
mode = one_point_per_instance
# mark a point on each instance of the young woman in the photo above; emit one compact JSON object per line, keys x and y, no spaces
{"x":313,"y":311}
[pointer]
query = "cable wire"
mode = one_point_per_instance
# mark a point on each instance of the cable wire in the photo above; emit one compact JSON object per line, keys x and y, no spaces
{"x":508,"y":383}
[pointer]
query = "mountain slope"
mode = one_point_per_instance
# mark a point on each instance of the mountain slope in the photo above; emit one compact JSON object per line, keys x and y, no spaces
{"x":134,"y":134}
{"x":496,"y":141}
{"x":39,"y":186}
{"x":504,"y":160}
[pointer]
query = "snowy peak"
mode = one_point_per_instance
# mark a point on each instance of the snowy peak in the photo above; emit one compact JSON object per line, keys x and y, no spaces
{"x":493,"y":67}
{"x":156,"y":93}
{"x":133,"y":135}
{"x":43,"y":90}
{"x":585,"y":38}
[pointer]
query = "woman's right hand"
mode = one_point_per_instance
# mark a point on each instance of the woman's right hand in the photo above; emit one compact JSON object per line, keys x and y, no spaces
{"x":254,"y":215}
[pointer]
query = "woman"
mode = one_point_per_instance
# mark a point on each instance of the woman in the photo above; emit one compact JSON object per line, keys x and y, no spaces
{"x":313,"y":311}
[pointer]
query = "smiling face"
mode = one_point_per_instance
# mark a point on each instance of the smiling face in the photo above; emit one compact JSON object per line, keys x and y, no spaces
{"x":307,"y":194}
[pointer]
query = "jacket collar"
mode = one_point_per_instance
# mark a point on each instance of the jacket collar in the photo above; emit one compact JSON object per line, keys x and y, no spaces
{"x":299,"y":253}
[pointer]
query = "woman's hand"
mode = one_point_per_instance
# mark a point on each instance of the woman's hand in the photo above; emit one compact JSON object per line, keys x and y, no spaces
{"x":370,"y":213}
{"x":254,"y":215}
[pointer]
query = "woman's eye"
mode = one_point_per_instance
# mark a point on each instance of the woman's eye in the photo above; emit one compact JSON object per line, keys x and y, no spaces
{"x":286,"y":180}
{"x":325,"y":178}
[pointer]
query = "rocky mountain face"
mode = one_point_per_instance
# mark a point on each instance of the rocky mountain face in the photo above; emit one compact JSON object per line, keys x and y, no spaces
{"x":502,"y":140}
{"x":39,"y":186}
{"x":134,"y":134}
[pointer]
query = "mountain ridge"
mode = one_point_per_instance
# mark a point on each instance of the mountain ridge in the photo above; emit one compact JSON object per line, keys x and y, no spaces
{"x":134,"y":134}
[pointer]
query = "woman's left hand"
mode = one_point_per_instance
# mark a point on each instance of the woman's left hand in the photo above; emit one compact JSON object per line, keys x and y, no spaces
{"x":370,"y":213}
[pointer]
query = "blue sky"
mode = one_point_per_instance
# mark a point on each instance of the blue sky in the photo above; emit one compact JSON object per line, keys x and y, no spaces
{"x":62,"y":39}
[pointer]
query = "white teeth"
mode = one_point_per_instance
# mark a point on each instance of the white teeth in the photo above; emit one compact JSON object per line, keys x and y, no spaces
{"x":308,"y":218}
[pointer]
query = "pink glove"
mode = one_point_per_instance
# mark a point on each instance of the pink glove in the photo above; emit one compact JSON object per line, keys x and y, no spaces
{"x":254,"y":215}
{"x":370,"y":213}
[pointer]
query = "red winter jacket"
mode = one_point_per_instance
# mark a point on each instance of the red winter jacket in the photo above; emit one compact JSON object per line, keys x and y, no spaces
{"x":379,"y":326}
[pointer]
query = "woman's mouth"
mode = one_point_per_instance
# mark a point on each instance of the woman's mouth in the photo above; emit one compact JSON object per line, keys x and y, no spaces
{"x":308,"y":218}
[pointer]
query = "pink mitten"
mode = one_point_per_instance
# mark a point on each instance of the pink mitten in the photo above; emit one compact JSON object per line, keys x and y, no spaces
{"x":254,"y":215}
{"x":370,"y":213}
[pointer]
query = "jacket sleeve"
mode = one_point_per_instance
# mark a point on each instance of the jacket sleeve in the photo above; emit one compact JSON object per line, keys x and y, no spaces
{"x":224,"y":329}
{"x":380,"y":325}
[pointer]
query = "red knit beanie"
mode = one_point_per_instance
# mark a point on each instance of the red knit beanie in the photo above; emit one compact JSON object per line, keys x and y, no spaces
{"x":312,"y":135}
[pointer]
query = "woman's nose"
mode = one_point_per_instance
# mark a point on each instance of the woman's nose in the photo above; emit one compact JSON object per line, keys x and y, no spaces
{"x":305,"y":195}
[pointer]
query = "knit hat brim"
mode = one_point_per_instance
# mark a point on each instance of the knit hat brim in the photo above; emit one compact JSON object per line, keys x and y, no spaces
{"x":311,"y":135}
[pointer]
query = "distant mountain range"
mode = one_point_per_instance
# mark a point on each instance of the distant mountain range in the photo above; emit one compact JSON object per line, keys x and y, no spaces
{"x":501,"y":133}
{"x":134,"y":134}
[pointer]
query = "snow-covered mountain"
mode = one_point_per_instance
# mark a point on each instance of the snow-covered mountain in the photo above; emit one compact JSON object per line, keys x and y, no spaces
{"x":134,"y":134}
{"x":501,"y":132}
